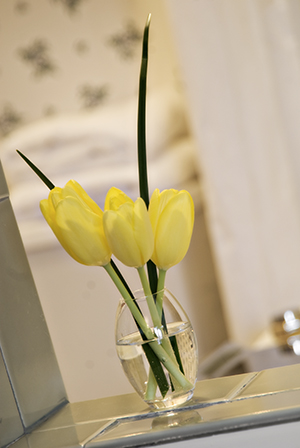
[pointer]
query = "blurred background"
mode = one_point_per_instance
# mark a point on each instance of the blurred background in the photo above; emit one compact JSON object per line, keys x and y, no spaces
{"x":222,"y":122}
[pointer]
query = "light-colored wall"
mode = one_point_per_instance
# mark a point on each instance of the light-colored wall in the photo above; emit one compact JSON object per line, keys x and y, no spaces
{"x":241,"y":66}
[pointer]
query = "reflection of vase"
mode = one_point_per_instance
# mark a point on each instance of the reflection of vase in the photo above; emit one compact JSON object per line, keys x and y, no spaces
{"x":175,"y":337}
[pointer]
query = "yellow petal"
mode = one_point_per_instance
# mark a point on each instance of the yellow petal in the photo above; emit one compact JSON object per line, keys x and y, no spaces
{"x":115,"y":198}
{"x":129,"y":233}
{"x":154,"y":208}
{"x":173,"y":221}
{"x":48,"y":211}
{"x":142,"y":230}
{"x":157,"y":204}
{"x":55,"y":196}
{"x":77,"y":223}
{"x":82,"y":233}
{"x":74,"y":186}
{"x":119,"y":233}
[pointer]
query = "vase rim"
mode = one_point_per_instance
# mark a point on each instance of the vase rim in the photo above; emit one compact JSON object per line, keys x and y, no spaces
{"x":139,"y":294}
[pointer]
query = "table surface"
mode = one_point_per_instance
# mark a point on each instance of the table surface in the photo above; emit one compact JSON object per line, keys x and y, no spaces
{"x":218,"y":406}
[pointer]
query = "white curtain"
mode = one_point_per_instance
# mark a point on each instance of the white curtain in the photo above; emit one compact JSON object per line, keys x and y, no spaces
{"x":240,"y":64}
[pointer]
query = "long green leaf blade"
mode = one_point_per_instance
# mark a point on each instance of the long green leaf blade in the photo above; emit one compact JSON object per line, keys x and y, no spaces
{"x":142,"y":152}
{"x":141,"y":128}
{"x":41,"y":175}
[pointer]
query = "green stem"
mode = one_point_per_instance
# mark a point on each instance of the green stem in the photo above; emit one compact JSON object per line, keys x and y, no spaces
{"x":129,"y":302}
{"x":169,"y":364}
{"x":151,"y":383}
{"x":160,"y":352}
{"x":152,"y":274}
{"x":159,"y":305}
{"x":158,"y":376}
{"x":151,"y":386}
{"x":149,"y":297}
{"x":118,"y":272}
{"x":157,"y":322}
{"x":160,"y":289}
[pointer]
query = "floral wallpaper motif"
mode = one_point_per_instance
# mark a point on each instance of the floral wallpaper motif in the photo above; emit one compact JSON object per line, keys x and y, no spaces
{"x":71,"y":5}
{"x":9,"y":119}
{"x":64,"y":56}
{"x":92,"y":96}
{"x":61,"y":56}
{"x":21,"y":6}
{"x":126,"y":41}
{"x":38,"y":57}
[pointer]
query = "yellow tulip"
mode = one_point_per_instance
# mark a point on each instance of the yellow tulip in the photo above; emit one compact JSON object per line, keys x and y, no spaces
{"x":127,"y":228}
{"x":77,"y":222}
{"x":172,"y":219}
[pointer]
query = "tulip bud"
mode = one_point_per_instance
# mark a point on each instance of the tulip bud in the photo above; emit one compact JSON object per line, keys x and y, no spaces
{"x":127,"y":228}
{"x":77,"y":222}
{"x":172,"y":219}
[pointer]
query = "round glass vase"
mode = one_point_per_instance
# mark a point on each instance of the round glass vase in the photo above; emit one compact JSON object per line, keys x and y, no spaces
{"x":171,"y":350}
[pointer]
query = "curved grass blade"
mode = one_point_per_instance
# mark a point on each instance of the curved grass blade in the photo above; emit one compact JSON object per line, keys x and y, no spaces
{"x":141,"y":128}
{"x":41,"y":175}
{"x":142,"y":165}
{"x":141,"y":140}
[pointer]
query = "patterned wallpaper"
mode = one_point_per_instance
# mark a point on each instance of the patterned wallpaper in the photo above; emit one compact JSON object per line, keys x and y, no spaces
{"x":60,"y":56}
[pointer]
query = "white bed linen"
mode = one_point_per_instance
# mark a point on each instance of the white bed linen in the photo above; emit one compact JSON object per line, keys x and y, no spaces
{"x":98,"y":149}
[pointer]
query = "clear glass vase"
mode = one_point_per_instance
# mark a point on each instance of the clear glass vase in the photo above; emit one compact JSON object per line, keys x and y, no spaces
{"x":171,"y":351}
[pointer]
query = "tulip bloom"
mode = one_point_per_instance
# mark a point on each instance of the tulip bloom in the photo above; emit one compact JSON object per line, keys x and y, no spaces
{"x":76,"y":221}
{"x":172,"y":219}
{"x":127,"y":228}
